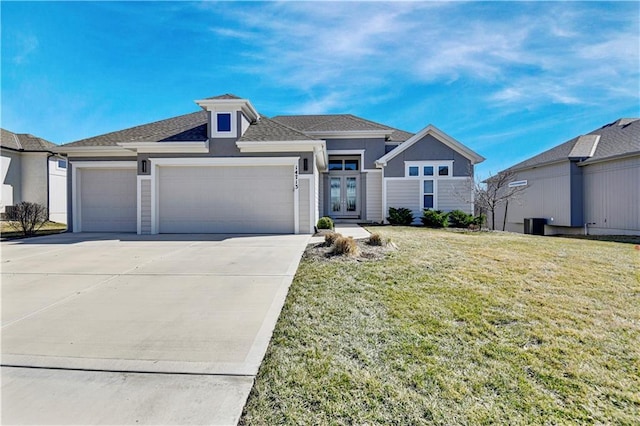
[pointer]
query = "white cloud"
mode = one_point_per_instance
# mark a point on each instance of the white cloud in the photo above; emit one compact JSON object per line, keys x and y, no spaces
{"x":26,"y":44}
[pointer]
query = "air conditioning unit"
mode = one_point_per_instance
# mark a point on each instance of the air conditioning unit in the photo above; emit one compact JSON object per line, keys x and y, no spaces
{"x":534,"y":225}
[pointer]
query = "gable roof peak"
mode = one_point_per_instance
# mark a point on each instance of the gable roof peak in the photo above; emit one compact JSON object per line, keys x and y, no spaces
{"x":225,"y":96}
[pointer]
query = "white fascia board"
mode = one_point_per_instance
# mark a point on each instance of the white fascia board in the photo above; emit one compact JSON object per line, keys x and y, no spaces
{"x":319,"y":148}
{"x":350,"y":134}
{"x":104,"y":164}
{"x":225,"y":161}
{"x":278,"y":146}
{"x":94,"y":151}
{"x":432,"y":130}
{"x":167,"y":147}
{"x":243,"y":105}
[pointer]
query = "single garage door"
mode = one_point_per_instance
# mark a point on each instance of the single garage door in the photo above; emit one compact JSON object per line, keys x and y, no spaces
{"x":225,"y":199}
{"x":107,"y":200}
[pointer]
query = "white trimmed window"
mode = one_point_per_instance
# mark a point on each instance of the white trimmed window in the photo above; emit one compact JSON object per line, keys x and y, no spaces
{"x":224,"y":124}
{"x":428,"y":194}
{"x":431,"y":169}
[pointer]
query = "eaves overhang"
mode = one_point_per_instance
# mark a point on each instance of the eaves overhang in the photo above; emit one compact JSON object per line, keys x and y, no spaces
{"x":174,"y":147}
{"x":350,"y":134}
{"x":318,"y":147}
{"x":92,"y":151}
{"x":225,"y":105}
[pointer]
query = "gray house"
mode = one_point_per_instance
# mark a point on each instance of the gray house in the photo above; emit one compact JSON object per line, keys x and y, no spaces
{"x":589,"y":184}
{"x":32,"y":172}
{"x":229,"y":169}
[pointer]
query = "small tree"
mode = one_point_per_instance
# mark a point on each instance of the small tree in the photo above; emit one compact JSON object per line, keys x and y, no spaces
{"x":495,"y":191}
{"x":27,"y":217}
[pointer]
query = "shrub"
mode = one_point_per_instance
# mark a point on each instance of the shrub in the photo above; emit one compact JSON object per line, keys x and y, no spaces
{"x":27,"y":217}
{"x":401,"y":216}
{"x":325,"y":222}
{"x":480,"y":220}
{"x":375,"y":240}
{"x":331,"y":237}
{"x":460,"y":219}
{"x":434,"y":218}
{"x":345,"y":246}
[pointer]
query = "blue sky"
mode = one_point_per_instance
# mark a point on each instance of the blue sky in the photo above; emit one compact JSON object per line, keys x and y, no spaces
{"x":508,"y":79}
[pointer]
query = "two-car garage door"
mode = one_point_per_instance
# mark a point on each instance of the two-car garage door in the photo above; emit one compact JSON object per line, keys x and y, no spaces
{"x":190,"y":199}
{"x":225,"y":199}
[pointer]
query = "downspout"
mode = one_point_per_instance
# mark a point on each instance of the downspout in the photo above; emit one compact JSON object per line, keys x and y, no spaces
{"x":51,"y":154}
{"x":586,"y":227}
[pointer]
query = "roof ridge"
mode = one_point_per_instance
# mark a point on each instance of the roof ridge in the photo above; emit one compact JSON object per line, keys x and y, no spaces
{"x":300,"y":132}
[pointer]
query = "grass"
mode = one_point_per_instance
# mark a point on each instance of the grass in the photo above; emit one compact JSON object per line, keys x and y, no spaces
{"x":7,"y":231}
{"x":458,"y":328}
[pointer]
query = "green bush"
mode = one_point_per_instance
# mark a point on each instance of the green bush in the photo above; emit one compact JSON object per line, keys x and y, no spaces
{"x":434,"y":218}
{"x":460,"y":219}
{"x":401,"y":216}
{"x":325,"y":222}
{"x":480,"y":220}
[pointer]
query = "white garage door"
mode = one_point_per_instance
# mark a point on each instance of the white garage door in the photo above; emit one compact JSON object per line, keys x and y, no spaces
{"x":225,"y":199}
{"x":107,"y":200}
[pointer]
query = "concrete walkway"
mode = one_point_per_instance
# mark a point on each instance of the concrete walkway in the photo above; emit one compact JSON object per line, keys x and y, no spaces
{"x":348,"y":230}
{"x":127,"y":329}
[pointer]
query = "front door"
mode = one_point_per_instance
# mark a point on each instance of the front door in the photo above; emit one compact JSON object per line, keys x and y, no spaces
{"x":345,"y":200}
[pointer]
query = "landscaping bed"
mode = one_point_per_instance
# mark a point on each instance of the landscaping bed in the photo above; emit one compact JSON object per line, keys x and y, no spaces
{"x":450,"y":327}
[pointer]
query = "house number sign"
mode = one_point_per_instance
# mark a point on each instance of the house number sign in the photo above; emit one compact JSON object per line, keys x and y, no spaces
{"x":295,"y":177}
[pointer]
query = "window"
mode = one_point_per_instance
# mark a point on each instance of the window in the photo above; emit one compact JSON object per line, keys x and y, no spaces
{"x":427,"y":171}
{"x":413,"y":171}
{"x":443,"y":170}
{"x":351,"y":164}
{"x":224,"y":122}
{"x":348,"y":165}
{"x":335,"y":164}
{"x":62,"y":164}
{"x":427,"y":197}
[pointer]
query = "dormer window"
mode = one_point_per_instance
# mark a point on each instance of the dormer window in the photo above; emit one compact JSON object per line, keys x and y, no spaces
{"x":224,"y":122}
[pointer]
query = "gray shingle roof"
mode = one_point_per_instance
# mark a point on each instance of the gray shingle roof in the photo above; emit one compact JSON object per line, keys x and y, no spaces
{"x":622,"y":137}
{"x":188,"y":127}
{"x":225,"y":96}
{"x":24,"y":142}
{"x":338,"y":122}
{"x":270,"y":130}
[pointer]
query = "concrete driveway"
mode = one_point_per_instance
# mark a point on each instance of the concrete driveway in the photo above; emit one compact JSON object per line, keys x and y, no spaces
{"x":127,"y":329}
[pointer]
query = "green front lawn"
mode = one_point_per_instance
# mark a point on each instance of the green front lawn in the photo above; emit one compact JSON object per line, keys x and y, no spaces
{"x":458,"y":328}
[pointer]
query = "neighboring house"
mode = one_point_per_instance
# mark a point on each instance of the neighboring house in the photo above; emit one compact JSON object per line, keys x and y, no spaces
{"x":227,"y":169}
{"x":32,"y":172}
{"x":588,"y":184}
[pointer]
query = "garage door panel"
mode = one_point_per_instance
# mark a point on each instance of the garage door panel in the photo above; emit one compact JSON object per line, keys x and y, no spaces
{"x":221,"y":199}
{"x":108,"y":200}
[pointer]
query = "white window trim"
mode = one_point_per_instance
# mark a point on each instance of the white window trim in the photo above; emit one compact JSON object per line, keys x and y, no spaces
{"x":346,"y":153}
{"x":434,"y":193}
{"x":421,"y":164}
{"x":76,"y":185}
{"x":214,"y":125}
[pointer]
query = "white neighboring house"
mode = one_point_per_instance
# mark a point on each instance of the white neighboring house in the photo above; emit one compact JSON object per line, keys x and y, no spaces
{"x":31,"y":171}
{"x":589,"y":184}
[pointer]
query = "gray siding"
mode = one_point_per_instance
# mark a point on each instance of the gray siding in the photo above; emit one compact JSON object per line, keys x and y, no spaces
{"x":374,"y":196}
{"x":145,"y":206}
{"x":454,"y":194}
{"x":14,"y":176}
{"x":374,"y":148}
{"x":547,"y":195}
{"x":612,"y":196}
{"x":304,"y":192}
{"x":404,"y":193}
{"x":428,"y":149}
